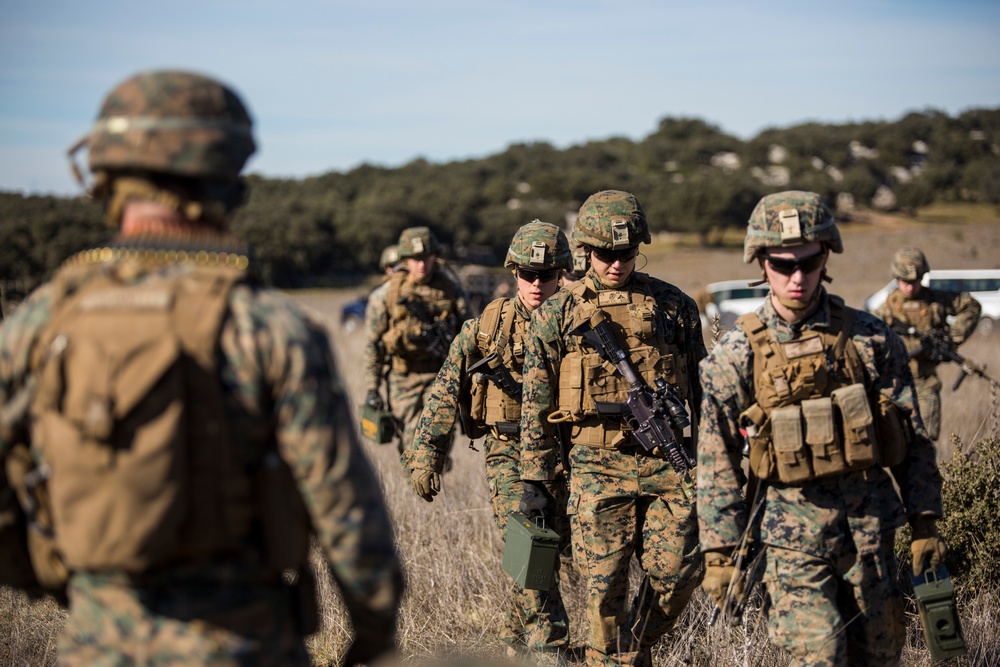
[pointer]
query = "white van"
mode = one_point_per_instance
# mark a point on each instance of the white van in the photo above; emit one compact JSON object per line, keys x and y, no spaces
{"x":731,"y":298}
{"x":983,"y":284}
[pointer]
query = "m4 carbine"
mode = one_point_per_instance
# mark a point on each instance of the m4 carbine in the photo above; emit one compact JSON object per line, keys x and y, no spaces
{"x":436,"y":334}
{"x":937,"y":345}
{"x":652,"y":413}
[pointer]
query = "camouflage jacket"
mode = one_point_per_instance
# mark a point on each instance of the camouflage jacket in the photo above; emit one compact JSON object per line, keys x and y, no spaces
{"x":279,"y":384}
{"x":550,"y":340}
{"x":926,"y":313}
{"x":377,"y":322}
{"x":816,"y":516}
{"x":452,"y":385}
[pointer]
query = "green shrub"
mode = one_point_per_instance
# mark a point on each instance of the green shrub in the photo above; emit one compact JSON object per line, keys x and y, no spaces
{"x":971,"y":524}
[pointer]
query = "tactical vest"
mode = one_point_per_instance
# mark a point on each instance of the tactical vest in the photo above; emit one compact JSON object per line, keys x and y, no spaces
{"x":585,"y":377}
{"x":129,"y":415}
{"x":923,"y":317}
{"x":417,"y":315}
{"x":503,"y":332}
{"x":813,"y":417}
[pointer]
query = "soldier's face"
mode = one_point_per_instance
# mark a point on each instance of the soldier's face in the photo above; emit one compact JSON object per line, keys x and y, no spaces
{"x":421,"y":267}
{"x":534,"y":287}
{"x":909,"y":289}
{"x":794,"y":273}
{"x":614,"y":273}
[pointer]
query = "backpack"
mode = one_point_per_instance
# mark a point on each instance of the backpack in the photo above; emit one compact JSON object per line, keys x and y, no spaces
{"x":128,"y":416}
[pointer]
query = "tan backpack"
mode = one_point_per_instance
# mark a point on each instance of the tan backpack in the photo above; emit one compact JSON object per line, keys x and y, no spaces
{"x":128,"y":416}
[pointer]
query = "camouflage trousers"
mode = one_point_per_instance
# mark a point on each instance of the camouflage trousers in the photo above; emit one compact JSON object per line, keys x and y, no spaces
{"x":834,"y":614}
{"x":407,"y":394}
{"x":929,"y":402}
{"x":535,"y":620}
{"x":629,"y":503}
{"x":112,"y":624}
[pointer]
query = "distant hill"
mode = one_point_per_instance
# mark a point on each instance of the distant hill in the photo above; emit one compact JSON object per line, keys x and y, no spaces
{"x":689,"y":175}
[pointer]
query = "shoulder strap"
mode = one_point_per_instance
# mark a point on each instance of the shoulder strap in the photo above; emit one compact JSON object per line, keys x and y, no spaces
{"x":756,"y":333}
{"x":489,"y":323}
{"x":842,"y":321}
{"x":395,"y":285}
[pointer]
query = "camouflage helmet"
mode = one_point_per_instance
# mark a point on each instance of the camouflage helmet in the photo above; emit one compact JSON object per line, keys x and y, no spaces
{"x":389,"y":257}
{"x":786,"y":219}
{"x":611,"y":219}
{"x":171,"y":122}
{"x":909,"y":264}
{"x":539,"y":245}
{"x":417,"y":241}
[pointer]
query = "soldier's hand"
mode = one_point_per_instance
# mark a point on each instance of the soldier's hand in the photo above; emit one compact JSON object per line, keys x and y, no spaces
{"x":426,"y":483}
{"x":722,"y":579}
{"x":534,"y":498}
{"x":928,"y":548}
{"x":374,"y":400}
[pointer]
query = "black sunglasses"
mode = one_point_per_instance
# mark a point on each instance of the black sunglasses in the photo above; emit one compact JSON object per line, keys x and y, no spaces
{"x":612,"y":256}
{"x":531,"y":275}
{"x":787,"y":267}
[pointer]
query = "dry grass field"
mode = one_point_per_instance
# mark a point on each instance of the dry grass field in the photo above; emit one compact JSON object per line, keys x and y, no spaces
{"x":451,"y":549}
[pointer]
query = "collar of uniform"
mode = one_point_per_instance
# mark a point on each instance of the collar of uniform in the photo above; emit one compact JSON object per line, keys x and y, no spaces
{"x":785,"y":331}
{"x":520,"y":309}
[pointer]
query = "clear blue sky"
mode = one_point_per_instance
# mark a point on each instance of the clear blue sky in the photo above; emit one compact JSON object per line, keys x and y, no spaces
{"x":335,"y":84}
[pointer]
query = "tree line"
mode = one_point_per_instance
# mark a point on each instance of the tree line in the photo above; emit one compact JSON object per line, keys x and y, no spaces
{"x":689,"y":175}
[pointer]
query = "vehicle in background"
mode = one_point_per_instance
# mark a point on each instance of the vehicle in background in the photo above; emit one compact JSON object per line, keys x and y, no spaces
{"x":352,"y":314}
{"x":982,"y":284}
{"x":731,"y":298}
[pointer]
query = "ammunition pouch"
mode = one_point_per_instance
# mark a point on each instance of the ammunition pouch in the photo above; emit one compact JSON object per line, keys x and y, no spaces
{"x":826,"y":437}
{"x":585,"y":379}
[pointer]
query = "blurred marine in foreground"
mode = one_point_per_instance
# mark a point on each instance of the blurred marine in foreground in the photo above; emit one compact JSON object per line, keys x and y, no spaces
{"x":825,"y":397}
{"x":174,"y":431}
{"x":480,"y":382}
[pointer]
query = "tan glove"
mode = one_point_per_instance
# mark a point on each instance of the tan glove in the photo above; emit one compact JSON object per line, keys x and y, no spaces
{"x":927,"y":546}
{"x":720,"y":574}
{"x":426,"y":483}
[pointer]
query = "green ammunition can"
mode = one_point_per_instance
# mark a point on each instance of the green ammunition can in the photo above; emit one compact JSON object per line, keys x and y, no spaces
{"x":377,"y":425}
{"x":530,"y":551}
{"x":939,"y":614}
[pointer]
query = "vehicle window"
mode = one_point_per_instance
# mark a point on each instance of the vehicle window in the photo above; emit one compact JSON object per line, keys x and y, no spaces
{"x":966,"y":284}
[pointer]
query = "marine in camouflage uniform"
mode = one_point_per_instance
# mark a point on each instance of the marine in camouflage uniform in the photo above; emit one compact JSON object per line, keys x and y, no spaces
{"x":914,"y":312}
{"x":535,"y":620}
{"x":828,"y":536}
{"x":412,"y":335}
{"x":280,"y":392}
{"x":624,"y":500}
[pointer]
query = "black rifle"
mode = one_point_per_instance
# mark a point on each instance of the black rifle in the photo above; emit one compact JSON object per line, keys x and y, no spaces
{"x":435,"y":335}
{"x":652,"y":413}
{"x":937,"y":345}
{"x":499,"y":375}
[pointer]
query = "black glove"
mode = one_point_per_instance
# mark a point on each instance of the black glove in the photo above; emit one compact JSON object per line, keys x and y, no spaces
{"x":534,"y":498}
{"x":374,"y":400}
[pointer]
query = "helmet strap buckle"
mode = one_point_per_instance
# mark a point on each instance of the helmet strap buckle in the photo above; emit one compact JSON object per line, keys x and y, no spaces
{"x":619,"y":234}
